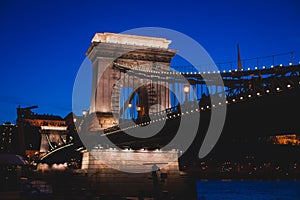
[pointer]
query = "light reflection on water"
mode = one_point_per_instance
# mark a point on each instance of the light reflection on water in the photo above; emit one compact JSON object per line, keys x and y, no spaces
{"x":248,"y":190}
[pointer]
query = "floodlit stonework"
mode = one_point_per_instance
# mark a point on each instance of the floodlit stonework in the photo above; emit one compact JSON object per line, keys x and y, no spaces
{"x":139,"y":52}
{"x":107,"y":180}
{"x":130,"y":160}
{"x":131,"y":40}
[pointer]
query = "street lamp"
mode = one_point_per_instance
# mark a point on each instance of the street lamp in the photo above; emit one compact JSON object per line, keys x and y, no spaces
{"x":84,"y":112}
{"x":130,"y":110}
{"x":186,"y":90}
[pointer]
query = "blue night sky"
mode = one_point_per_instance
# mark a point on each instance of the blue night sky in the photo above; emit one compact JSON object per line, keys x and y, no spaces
{"x":43,"y":43}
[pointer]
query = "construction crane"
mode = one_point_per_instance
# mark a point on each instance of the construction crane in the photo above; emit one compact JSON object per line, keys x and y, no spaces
{"x":21,"y":112}
{"x":29,"y":108}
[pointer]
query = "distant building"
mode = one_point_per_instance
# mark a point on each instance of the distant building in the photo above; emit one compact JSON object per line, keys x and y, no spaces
{"x":40,"y":133}
{"x":8,"y":138}
{"x":286,"y":139}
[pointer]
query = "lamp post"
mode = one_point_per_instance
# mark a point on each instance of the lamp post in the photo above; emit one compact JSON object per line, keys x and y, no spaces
{"x":130,"y":110}
{"x":186,"y":90}
{"x":82,"y":126}
{"x":84,"y":113}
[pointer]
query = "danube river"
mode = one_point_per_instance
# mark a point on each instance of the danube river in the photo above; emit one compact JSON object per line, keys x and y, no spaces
{"x":256,"y":190}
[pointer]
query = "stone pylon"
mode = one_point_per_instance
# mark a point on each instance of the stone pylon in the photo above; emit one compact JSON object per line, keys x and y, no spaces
{"x":136,"y":52}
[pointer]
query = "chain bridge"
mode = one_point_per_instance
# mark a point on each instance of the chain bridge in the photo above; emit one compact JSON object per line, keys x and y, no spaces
{"x":135,"y":86}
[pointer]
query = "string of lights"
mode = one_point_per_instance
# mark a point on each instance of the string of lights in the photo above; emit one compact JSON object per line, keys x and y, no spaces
{"x":130,"y":67}
{"x":156,"y":117}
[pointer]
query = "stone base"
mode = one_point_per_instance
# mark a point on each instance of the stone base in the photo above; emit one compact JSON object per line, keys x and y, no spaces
{"x":108,"y":181}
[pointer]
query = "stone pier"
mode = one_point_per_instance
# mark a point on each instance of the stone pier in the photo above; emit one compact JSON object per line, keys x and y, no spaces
{"x":104,"y":169}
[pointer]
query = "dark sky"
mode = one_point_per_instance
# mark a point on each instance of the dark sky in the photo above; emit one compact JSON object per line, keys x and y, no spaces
{"x":43,"y":43}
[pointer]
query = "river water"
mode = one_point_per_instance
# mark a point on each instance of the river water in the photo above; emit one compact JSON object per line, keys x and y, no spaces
{"x":248,"y":190}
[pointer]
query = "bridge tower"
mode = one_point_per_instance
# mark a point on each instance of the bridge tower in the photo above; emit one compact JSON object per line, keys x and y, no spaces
{"x":137,"y":52}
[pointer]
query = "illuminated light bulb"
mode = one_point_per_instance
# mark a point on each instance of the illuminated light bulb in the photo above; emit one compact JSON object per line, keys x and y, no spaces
{"x":186,"y":89}
{"x":288,"y":86}
{"x":267,"y":91}
{"x":290,"y":64}
{"x":249,"y":95}
{"x":277,"y":88}
{"x":202,"y":108}
{"x":241,"y":98}
{"x":178,"y":114}
{"x":255,"y":68}
{"x":207,"y":106}
{"x":264,"y":67}
{"x":230,"y":70}
{"x":281,"y":65}
{"x":257,"y":93}
{"x":233,"y":100}
{"x":196,"y":109}
{"x":249,"y":69}
{"x":226,"y":101}
{"x":129,"y":105}
{"x":220,"y":103}
{"x":235,"y":70}
{"x":272,"y":66}
{"x":84,"y":112}
{"x":208,"y":72}
{"x":224,"y":71}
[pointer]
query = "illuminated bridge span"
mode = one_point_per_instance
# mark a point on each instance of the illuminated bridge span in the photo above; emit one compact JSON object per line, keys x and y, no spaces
{"x":133,"y":81}
{"x":240,"y":86}
{"x":237,"y":83}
